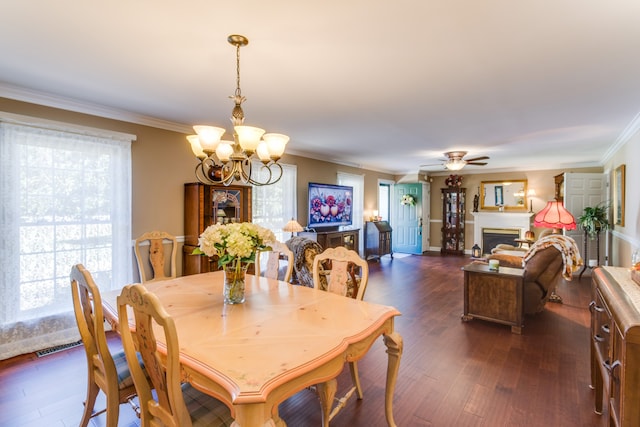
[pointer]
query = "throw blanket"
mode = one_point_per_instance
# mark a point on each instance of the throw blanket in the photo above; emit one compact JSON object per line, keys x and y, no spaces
{"x":303,"y":264}
{"x":567,"y":247}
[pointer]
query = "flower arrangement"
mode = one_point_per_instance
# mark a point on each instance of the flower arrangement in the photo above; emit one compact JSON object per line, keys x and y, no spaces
{"x":234,"y":243}
{"x":408,"y":199}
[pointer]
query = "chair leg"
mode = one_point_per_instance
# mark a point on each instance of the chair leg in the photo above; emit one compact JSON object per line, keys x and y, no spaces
{"x":113,"y":410}
{"x":353,"y":367}
{"x":326,"y":392}
{"x":92,"y":393}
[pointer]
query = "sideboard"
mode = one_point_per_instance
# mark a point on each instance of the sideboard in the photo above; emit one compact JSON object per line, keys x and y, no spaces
{"x":615,"y":344}
{"x":333,"y":239}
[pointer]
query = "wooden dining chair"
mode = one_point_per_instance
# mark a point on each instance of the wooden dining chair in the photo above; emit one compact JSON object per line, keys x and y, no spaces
{"x":106,"y":371}
{"x":336,"y":270}
{"x":174,"y":404}
{"x":151,"y":264}
{"x":278,"y":251}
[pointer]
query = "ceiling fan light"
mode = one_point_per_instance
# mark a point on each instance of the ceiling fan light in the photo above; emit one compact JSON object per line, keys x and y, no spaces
{"x":455,"y":164}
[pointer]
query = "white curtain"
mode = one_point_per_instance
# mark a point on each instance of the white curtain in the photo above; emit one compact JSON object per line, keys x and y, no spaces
{"x":66,"y":199}
{"x":274,"y":205}
{"x":357,"y":182}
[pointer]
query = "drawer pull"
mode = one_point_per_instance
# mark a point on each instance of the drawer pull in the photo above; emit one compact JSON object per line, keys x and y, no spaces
{"x":598,"y":309}
{"x":605,"y":329}
{"x":611,"y":367}
{"x":598,"y":338}
{"x":592,"y":305}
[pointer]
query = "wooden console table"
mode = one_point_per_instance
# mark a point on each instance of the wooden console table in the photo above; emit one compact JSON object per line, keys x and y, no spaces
{"x":615,"y":344}
{"x":333,"y":239}
{"x":496,"y":296}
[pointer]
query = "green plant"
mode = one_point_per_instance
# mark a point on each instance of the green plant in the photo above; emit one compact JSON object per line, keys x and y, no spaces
{"x":594,"y":219}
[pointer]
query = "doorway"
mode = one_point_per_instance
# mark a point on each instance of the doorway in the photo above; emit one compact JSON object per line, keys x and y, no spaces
{"x":408,"y":204}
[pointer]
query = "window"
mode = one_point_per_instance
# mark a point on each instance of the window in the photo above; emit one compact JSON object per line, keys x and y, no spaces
{"x":65,"y":200}
{"x":274,"y":205}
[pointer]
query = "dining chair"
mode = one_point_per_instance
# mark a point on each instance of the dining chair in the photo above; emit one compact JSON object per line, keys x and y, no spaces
{"x":106,"y":371}
{"x":153,"y":261}
{"x":174,"y":404}
{"x":272,"y":268}
{"x":335,"y":270}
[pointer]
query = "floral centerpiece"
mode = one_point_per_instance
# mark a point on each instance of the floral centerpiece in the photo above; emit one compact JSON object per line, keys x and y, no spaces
{"x":235,"y":245}
{"x":408,"y":199}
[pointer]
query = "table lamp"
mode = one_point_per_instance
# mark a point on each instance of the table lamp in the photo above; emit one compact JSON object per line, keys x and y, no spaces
{"x":531,"y":193}
{"x":292,"y":226}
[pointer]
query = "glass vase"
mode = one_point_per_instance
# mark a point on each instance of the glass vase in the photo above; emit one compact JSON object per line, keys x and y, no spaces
{"x":234,"y":280}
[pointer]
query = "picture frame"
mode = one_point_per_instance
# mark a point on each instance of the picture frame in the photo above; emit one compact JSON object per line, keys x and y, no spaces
{"x":618,"y":195}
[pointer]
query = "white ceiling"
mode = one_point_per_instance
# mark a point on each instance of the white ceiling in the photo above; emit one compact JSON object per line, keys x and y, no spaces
{"x":386,"y":85}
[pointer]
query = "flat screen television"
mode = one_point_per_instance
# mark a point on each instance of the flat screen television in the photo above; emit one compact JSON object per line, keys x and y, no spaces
{"x":330,"y":205}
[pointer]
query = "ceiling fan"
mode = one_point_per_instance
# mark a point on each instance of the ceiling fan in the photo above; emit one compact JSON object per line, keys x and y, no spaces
{"x":455,"y":160}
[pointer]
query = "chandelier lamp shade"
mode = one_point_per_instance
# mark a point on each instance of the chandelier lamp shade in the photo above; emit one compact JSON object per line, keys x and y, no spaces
{"x":555,"y":216}
{"x":225,"y":161}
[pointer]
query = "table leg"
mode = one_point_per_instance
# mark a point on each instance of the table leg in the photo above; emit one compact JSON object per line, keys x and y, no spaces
{"x":253,"y":415}
{"x":327,"y":392}
{"x":394,"y":345}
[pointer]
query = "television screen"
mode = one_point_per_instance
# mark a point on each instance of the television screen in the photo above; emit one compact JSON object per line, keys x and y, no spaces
{"x":329,"y":205}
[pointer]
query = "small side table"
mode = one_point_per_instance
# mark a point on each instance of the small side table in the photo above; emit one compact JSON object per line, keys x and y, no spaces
{"x":521,"y":242}
{"x":496,"y":296}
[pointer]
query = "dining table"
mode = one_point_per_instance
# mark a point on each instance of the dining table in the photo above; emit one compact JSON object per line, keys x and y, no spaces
{"x":282,"y":339}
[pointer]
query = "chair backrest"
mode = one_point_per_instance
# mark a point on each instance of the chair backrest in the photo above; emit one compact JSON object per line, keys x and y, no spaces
{"x":169,"y":408}
{"x":337,"y":266}
{"x":272,"y":269}
{"x":154,"y":261}
{"x":87,"y":307}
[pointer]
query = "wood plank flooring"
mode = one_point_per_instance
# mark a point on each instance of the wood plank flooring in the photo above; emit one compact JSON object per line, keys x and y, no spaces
{"x":451,"y":374}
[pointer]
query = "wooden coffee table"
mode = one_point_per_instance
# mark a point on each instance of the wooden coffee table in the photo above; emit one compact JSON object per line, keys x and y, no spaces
{"x":496,"y":296}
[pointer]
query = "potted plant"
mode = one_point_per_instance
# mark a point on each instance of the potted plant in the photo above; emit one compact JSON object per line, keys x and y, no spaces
{"x":594,"y":219}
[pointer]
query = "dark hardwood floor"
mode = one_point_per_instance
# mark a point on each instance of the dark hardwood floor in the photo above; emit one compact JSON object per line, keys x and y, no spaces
{"x":451,"y":374}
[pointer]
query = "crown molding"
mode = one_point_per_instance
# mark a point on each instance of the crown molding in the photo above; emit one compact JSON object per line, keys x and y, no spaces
{"x":19,"y":93}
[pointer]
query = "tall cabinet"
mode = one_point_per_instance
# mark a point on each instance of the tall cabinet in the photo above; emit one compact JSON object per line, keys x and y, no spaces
{"x":205,"y":205}
{"x":453,"y":206}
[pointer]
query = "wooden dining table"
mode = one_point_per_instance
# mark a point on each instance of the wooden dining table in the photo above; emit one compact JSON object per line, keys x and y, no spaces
{"x":282,"y":339}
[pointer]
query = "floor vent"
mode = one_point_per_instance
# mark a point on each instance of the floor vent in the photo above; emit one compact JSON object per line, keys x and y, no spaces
{"x":51,"y":350}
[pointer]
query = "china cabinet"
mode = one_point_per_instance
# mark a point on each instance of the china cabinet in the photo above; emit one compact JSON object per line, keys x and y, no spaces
{"x":453,"y":207}
{"x":205,"y":205}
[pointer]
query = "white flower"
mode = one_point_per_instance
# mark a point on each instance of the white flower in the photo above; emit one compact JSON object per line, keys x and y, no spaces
{"x":408,"y":199}
{"x":234,"y":243}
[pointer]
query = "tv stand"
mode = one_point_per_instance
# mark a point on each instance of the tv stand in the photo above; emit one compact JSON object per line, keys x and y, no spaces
{"x":333,"y":239}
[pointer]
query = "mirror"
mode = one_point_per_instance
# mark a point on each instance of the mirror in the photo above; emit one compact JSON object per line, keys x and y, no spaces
{"x":507,"y":195}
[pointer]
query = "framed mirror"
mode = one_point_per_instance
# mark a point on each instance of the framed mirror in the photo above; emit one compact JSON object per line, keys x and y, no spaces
{"x":507,"y":195}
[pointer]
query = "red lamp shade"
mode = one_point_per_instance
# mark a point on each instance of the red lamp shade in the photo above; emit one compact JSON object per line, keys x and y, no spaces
{"x":554,"y":215}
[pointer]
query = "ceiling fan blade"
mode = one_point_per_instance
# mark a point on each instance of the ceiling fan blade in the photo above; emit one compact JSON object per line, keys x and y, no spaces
{"x":477,"y":158}
{"x":477,"y":163}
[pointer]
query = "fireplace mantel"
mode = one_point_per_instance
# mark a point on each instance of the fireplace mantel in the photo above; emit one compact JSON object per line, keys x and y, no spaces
{"x":519,"y":220}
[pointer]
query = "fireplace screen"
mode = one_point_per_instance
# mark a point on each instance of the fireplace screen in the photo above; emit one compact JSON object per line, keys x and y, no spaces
{"x":491,"y":237}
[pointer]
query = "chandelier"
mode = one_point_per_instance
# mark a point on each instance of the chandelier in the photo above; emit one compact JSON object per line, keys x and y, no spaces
{"x":225,"y":162}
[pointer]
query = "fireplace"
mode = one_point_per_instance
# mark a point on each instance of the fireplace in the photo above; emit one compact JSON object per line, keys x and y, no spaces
{"x":515,"y":222}
{"x":492,"y":237}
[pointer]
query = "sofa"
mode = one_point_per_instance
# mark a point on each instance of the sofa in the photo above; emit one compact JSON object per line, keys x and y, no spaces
{"x":548,"y":262}
{"x":304,"y":251}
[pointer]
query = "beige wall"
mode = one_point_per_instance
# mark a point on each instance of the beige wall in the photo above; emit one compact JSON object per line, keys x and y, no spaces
{"x":541,"y":181}
{"x":625,"y":239}
{"x":162,"y":162}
